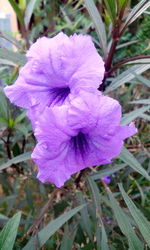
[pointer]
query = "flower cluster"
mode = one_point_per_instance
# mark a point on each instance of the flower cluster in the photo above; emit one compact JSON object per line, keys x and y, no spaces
{"x":76,"y":126}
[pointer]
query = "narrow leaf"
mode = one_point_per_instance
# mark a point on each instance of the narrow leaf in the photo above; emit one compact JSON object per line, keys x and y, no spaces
{"x":142,"y":101}
{"x":122,"y":4}
{"x":96,"y":201}
{"x":111,"y":9}
{"x":136,"y":12}
{"x":68,"y":239}
{"x":85,"y":220}
{"x":124,"y":224}
{"x":9,"y":233}
{"x":29,"y":11}
{"x":17,"y":11}
{"x":127,"y":118}
{"x":126,"y":44}
{"x":3,"y":107}
{"x":95,"y":195}
{"x":99,"y":25}
{"x":142,"y":80}
{"x":10,"y":38}
{"x":101,"y":238}
{"x":50,"y":229}
{"x":129,"y":159}
{"x":127,"y":76}
{"x":140,"y":61}
{"x":142,"y":223}
{"x":20,"y":117}
{"x":15,"y":160}
{"x":14,"y":57}
{"x":107,"y":171}
{"x":145,"y":117}
{"x":7,"y":62}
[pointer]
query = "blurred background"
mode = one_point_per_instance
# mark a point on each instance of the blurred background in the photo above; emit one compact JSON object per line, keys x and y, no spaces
{"x":105,"y":207}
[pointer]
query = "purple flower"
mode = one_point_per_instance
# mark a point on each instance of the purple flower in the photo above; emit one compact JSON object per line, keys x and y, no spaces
{"x":56,"y":67}
{"x":82,"y":134}
{"x":107,"y":179}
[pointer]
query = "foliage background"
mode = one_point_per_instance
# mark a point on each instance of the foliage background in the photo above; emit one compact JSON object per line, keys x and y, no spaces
{"x":86,"y":213}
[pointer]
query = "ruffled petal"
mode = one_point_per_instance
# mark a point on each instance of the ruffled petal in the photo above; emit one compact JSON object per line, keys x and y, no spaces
{"x":83,"y":113}
{"x":83,"y":133}
{"x":126,"y":131}
{"x":58,"y":169}
{"x":91,"y":110}
{"x":55,"y":68}
{"x":52,"y":125}
{"x":25,"y":95}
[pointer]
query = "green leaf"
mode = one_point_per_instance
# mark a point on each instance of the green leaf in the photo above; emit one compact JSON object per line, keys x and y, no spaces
{"x":99,"y":25}
{"x":101,"y":238}
{"x":14,"y":57}
{"x":139,"y":61}
{"x":126,"y":44}
{"x":3,"y":108}
{"x":126,"y":76}
{"x":111,"y":8}
{"x":68,"y":239}
{"x":95,"y":195}
{"x":102,"y":242}
{"x":22,"y":4}
{"x":127,"y":118}
{"x":104,"y":239}
{"x":8,"y":198}
{"x":66,"y":17}
{"x":143,"y":80}
{"x":145,"y":117}
{"x":124,"y":224}
{"x":85,"y":220}
{"x":129,"y":159}
{"x":107,"y":171}
{"x":7,"y":62}
{"x":142,"y":101}
{"x":122,"y":4}
{"x":17,"y":11}
{"x":141,"y":221}
{"x":23,"y":128}
{"x":20,"y":117}
{"x":9,"y":233}
{"x":136,"y":12}
{"x":29,"y":12}
{"x":10,"y":38}
{"x":50,"y":229}
{"x":15,"y":160}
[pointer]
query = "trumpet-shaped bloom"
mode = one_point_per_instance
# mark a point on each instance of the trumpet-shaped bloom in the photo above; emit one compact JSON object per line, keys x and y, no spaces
{"x":82,"y":134}
{"x":56,"y":67}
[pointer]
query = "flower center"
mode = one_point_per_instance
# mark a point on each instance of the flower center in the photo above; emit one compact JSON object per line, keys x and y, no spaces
{"x":59,"y":95}
{"x":79,"y":143}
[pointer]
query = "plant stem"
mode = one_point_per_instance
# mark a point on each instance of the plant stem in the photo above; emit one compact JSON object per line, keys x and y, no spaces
{"x":8,"y":145}
{"x":112,"y":50}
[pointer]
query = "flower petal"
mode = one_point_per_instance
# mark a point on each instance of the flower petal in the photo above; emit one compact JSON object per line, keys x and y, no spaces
{"x":55,"y":68}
